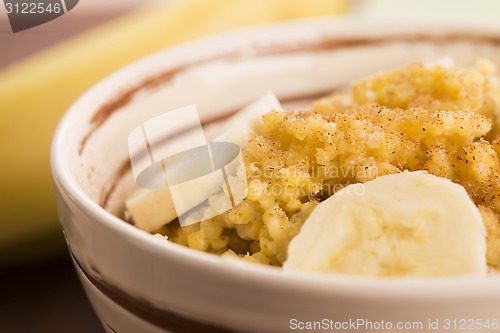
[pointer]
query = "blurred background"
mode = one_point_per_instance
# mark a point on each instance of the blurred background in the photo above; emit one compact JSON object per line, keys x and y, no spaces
{"x":44,"y":69}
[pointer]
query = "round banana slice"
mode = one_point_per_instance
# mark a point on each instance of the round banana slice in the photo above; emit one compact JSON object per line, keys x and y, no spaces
{"x":408,"y":224}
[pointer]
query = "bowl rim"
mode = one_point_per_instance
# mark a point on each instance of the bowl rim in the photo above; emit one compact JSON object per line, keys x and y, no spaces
{"x":452,"y":287}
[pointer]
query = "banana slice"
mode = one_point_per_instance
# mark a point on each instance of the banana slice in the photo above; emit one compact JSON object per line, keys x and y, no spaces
{"x":151,"y":209}
{"x":407,"y":224}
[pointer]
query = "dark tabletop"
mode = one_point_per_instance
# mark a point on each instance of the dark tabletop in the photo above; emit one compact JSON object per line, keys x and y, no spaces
{"x":46,"y":297}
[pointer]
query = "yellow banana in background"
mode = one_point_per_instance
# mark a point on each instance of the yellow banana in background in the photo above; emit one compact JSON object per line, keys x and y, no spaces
{"x":34,"y":93}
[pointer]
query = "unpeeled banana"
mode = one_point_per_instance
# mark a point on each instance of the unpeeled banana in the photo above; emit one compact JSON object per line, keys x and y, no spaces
{"x":35,"y":92}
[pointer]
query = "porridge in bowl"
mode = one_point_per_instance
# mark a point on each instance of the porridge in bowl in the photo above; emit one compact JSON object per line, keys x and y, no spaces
{"x":437,"y":122}
{"x":139,"y":282}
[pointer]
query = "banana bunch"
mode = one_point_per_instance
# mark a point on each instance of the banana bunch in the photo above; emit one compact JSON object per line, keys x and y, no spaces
{"x":34,"y":93}
{"x":408,"y":224}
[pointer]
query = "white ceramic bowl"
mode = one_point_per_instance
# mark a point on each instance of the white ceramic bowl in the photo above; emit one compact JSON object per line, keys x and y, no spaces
{"x":140,"y":284}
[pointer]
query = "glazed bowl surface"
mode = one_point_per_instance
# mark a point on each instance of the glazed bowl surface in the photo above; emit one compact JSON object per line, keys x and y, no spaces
{"x":137,"y":283}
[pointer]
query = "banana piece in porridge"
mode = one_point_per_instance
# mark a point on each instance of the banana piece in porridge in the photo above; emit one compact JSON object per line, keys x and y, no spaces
{"x":406,"y":224}
{"x":151,"y":209}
